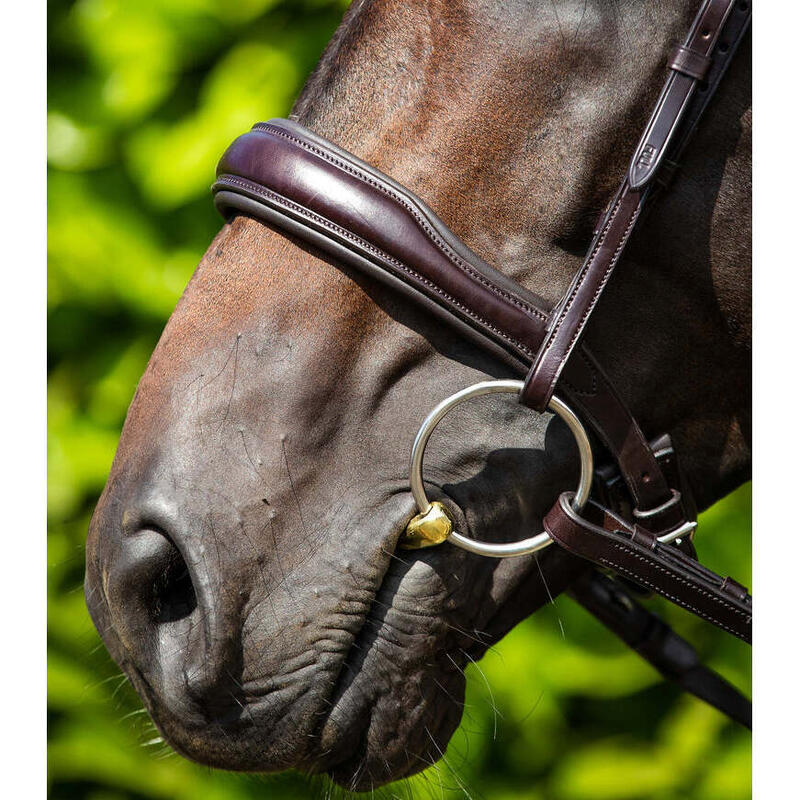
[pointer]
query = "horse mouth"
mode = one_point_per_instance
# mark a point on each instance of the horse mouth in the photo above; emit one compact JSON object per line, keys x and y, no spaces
{"x":405,"y":618}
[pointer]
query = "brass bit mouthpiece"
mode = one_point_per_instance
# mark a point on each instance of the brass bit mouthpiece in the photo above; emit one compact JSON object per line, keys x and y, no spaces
{"x":428,"y":529}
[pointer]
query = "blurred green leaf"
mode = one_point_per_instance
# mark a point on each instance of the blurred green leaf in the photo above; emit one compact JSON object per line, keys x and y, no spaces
{"x":101,"y":253}
{"x":175,"y":163}
{"x":71,"y":146}
{"x":71,"y":688}
{"x":614,"y":771}
{"x":729,"y":773}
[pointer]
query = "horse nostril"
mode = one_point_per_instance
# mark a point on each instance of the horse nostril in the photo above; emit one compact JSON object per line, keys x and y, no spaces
{"x":149,"y":587}
{"x":173,"y":591}
{"x":181,"y":637}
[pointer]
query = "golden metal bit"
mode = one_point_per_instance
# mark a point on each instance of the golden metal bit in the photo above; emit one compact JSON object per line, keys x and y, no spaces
{"x":428,"y":529}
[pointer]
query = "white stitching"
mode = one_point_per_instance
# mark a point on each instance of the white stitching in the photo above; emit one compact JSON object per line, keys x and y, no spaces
{"x":278,"y":199}
{"x":443,"y":246}
{"x":583,"y":275}
{"x":638,"y":578}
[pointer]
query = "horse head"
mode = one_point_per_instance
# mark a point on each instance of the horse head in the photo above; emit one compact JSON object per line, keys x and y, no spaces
{"x":242,"y":563}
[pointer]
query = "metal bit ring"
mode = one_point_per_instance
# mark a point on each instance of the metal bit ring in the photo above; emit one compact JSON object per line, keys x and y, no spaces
{"x":496,"y":550}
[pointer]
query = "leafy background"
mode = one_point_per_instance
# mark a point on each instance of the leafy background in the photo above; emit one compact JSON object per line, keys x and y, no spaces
{"x":143,"y":97}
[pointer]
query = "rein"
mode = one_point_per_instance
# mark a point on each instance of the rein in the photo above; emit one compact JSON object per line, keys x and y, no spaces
{"x":641,"y":519}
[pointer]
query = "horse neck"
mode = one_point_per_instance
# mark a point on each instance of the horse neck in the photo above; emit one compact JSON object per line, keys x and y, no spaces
{"x":515,"y":121}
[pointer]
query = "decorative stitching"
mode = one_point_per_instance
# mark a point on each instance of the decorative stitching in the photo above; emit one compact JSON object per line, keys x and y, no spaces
{"x":258,"y":189}
{"x":582,"y":276}
{"x":606,"y":276}
{"x":700,"y":613}
{"x":432,"y":235}
{"x":626,"y":549}
{"x":584,"y":271}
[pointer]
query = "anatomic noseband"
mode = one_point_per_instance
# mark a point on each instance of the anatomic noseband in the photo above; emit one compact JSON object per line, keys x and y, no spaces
{"x":641,"y":519}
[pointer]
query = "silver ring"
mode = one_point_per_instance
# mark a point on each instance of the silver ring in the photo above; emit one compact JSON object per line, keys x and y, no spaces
{"x":524,"y":546}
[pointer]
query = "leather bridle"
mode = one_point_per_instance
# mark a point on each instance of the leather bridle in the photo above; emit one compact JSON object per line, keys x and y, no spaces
{"x":639,"y":522}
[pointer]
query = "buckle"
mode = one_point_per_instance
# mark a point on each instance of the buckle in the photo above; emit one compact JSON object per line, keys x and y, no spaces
{"x":652,"y":512}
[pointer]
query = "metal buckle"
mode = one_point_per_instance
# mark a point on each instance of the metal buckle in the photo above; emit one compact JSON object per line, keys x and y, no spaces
{"x":686,"y":529}
{"x":434,"y":524}
{"x":676,"y":498}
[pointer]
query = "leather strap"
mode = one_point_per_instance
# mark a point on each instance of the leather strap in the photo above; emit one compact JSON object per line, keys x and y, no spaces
{"x":572,"y":314}
{"x":630,"y":550}
{"x":736,"y":26}
{"x":591,"y":392}
{"x":609,"y":490}
{"x":688,"y":67}
{"x":658,"y":644}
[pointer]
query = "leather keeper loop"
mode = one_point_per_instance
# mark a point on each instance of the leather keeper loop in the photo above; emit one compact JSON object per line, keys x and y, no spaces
{"x":690,"y":62}
{"x":644,"y":538}
{"x":734,"y":588}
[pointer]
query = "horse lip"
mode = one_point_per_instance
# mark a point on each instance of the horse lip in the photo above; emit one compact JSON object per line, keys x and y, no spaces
{"x":331,"y":758}
{"x":345,"y":747}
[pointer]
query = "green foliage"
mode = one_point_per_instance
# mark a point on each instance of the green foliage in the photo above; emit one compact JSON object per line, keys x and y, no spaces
{"x":143,"y":97}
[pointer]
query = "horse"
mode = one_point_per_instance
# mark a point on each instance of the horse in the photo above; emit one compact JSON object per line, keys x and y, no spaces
{"x":242,"y":566}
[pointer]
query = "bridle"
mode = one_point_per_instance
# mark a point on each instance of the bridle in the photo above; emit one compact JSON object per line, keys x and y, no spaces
{"x":640,"y":520}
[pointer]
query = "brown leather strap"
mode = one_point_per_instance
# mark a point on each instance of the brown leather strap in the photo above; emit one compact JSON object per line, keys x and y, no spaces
{"x":694,"y":59}
{"x":658,"y":644}
{"x":610,"y":490}
{"x":736,"y":26}
{"x":634,"y":552}
{"x":572,"y":314}
{"x":590,"y":391}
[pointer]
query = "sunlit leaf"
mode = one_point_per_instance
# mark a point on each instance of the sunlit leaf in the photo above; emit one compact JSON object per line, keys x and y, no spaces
{"x":71,"y":688}
{"x":174,"y":163}
{"x":729,"y":775}
{"x":112,"y":256}
{"x":72,"y":146}
{"x":614,"y":771}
